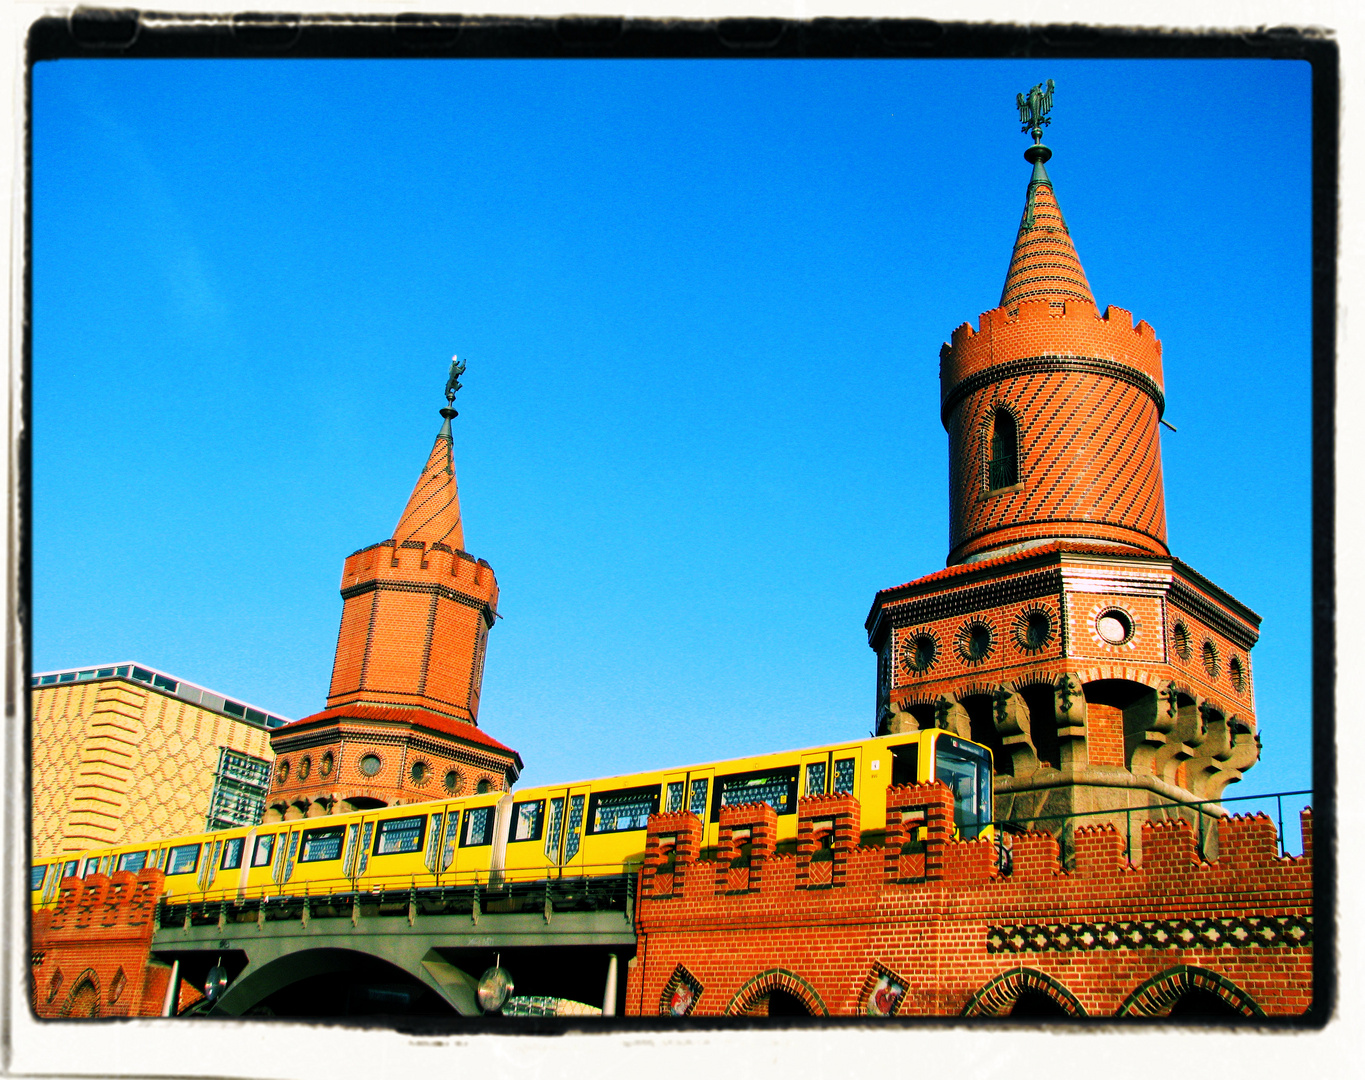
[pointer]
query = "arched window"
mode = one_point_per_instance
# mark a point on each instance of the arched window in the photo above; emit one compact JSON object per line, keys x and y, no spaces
{"x":1004,"y":463}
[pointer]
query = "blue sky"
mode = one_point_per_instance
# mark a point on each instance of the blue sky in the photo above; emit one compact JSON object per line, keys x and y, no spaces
{"x":701,"y":305}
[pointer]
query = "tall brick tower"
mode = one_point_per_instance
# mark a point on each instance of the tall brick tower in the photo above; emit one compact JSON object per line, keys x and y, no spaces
{"x":401,"y":723}
{"x":1104,"y":673}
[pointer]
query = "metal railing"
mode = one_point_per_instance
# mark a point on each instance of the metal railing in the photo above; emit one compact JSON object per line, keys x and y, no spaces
{"x":474,"y":896}
{"x":1016,"y":825}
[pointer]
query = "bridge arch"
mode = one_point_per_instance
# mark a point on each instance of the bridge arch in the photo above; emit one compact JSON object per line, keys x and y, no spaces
{"x":756,"y":996}
{"x":1000,"y":996}
{"x":1163,"y":992}
{"x":262,"y":979}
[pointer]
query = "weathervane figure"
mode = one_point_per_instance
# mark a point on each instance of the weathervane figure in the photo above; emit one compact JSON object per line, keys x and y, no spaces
{"x":1033,"y":109}
{"x":452,"y":387}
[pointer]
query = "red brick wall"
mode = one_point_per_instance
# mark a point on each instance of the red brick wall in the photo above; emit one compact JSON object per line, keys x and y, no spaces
{"x":91,"y":952}
{"x":1101,"y":939}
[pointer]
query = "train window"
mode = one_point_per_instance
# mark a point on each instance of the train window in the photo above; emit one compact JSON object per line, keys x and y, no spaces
{"x":322,"y":845}
{"x":69,"y":870}
{"x":966,"y":769}
{"x":674,"y":800}
{"x":552,"y":833}
{"x":697,"y":804}
{"x":434,"y":848}
{"x":91,"y":865}
{"x":232,"y":853}
{"x":905,"y":764}
{"x":478,"y":827}
{"x":843,"y":776}
{"x":574,"y":837}
{"x":527,"y":820}
{"x":776,"y":787}
{"x":35,"y":878}
{"x":183,"y":860}
{"x":265,"y":846}
{"x":815,"y":778}
{"x":132,"y":861}
{"x":399,"y":836}
{"x":622,"y":811}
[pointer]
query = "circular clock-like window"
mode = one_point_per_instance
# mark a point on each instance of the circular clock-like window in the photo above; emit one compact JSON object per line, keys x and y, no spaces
{"x":452,"y":781}
{"x":484,"y":786}
{"x":418,"y":772}
{"x":325,"y":766}
{"x":920,"y":652}
{"x":1237,"y":674}
{"x":1114,"y":626}
{"x":369,"y":764}
{"x":282,"y":771}
{"x":975,"y":642}
{"x":1180,"y":638}
{"x":1033,"y":629}
{"x":305,"y":767}
{"x":1211,"y":664}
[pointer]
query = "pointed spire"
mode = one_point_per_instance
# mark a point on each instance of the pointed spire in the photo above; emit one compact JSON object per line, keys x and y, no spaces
{"x":1044,"y":265}
{"x":433,"y":511}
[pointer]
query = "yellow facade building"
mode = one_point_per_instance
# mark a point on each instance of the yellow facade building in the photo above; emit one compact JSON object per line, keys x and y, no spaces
{"x":125,"y":753}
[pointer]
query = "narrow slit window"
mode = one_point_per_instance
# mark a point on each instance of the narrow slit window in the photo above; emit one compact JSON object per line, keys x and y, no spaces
{"x":1004,"y":463}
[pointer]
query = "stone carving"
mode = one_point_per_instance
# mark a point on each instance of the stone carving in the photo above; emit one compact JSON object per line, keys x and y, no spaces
{"x":1011,"y":716}
{"x":949,"y":715}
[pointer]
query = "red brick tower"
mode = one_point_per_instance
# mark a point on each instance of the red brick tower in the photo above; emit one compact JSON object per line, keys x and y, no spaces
{"x":1103,"y":673}
{"x":401,"y":723}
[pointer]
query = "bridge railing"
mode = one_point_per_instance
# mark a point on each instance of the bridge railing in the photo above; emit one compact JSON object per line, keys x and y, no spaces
{"x":1205,"y":813}
{"x":587,"y":889}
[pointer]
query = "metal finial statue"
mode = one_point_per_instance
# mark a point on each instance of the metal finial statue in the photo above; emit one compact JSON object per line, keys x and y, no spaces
{"x":1033,"y":109}
{"x":453,"y":385}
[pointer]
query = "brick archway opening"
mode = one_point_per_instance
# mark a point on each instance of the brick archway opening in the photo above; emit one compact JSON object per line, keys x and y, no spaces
{"x":776,"y":992}
{"x":1187,"y":992}
{"x":84,"y":999}
{"x":1023,"y":992}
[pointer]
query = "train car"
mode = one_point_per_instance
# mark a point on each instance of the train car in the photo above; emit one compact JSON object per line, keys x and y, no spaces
{"x":583,"y":829}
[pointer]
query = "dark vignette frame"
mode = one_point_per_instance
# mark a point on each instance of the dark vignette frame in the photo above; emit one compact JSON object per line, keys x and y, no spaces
{"x":108,"y":33}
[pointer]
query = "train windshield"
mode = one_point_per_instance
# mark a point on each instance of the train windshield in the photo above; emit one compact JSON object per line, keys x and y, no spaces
{"x":966,"y":769}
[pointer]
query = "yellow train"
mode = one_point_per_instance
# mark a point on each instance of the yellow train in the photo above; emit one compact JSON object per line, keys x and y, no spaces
{"x":595,"y":827}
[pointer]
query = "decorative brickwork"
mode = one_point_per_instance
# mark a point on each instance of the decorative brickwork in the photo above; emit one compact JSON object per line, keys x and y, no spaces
{"x":91,"y":953}
{"x":1106,"y":938}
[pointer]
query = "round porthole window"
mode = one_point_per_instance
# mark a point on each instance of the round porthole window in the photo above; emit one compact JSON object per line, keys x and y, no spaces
{"x":1236,"y":674}
{"x":369,"y":764}
{"x":920,"y":652}
{"x":484,"y":786}
{"x":282,"y":771}
{"x":325,"y":766}
{"x":452,"y":781}
{"x":1033,"y":629}
{"x":1211,"y":664}
{"x":975,"y":642}
{"x":418,"y":772}
{"x":1114,"y":626}
{"x":1180,"y":638}
{"x":305,"y":767}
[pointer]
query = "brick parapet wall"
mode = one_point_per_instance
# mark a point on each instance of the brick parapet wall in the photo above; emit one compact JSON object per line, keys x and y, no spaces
{"x":91,"y":952}
{"x":1094,"y":935}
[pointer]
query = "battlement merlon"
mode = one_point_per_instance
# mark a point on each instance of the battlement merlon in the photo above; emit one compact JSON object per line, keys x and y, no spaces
{"x":414,"y":561}
{"x":1008,"y":338}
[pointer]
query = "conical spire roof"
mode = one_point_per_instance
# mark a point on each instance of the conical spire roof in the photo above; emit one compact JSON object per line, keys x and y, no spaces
{"x":433,"y":511}
{"x":1045,"y":265}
